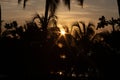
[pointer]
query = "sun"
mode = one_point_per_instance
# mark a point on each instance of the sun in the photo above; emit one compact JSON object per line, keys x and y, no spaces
{"x":62,"y":32}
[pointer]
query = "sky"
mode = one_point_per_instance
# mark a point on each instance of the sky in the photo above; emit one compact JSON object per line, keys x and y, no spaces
{"x":91,"y":11}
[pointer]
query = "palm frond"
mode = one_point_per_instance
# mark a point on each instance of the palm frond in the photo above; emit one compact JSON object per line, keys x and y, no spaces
{"x":67,"y":3}
{"x":77,"y":25}
{"x":91,"y":24}
{"x":90,"y":29}
{"x":84,"y":27}
{"x":81,"y":2}
{"x":41,"y":18}
{"x":19,"y":1}
{"x":52,"y":16}
{"x":65,"y":27}
{"x":53,"y":4}
{"x":24,"y":4}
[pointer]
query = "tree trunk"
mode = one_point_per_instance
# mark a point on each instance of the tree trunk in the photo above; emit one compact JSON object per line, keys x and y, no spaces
{"x":46,"y":15}
{"x":0,"y":20}
{"x":118,"y":1}
{"x":113,"y":27}
{"x":84,"y":29}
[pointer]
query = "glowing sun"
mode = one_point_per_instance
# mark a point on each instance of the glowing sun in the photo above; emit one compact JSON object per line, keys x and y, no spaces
{"x":62,"y":32}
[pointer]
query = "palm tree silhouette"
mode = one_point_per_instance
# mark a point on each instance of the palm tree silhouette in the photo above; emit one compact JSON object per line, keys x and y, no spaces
{"x":51,"y":6}
{"x":10,"y":30}
{"x":118,"y":24}
{"x":113,"y":22}
{"x":102,"y":22}
{"x":87,"y":32}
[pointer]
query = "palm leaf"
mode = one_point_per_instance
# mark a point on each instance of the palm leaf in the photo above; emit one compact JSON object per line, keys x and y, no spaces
{"x":19,"y":1}
{"x":67,"y":3}
{"x":84,"y":27}
{"x":91,"y":24}
{"x":24,"y":4}
{"x":76,"y":24}
{"x":41,"y":18}
{"x":90,"y":30}
{"x":81,"y":2}
{"x":52,"y":16}
{"x":53,"y":4}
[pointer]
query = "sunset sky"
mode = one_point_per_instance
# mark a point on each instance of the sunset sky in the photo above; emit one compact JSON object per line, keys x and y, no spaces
{"x":91,"y":11}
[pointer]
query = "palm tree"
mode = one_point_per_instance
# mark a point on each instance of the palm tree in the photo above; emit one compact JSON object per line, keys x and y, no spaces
{"x":87,"y":32}
{"x":84,"y":37}
{"x":50,"y":9}
{"x":113,"y":22}
{"x":11,"y":29}
{"x":102,"y":22}
{"x":51,"y":6}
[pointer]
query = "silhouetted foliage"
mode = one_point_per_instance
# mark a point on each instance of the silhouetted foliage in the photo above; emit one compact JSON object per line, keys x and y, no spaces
{"x":24,"y":2}
{"x":102,"y":22}
{"x":36,"y":50}
{"x":113,"y":22}
{"x":83,"y":54}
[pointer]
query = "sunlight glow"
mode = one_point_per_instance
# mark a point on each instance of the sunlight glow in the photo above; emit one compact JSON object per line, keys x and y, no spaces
{"x":60,"y":45}
{"x":60,"y":73}
{"x":63,"y":56}
{"x":73,"y":75}
{"x":62,"y":32}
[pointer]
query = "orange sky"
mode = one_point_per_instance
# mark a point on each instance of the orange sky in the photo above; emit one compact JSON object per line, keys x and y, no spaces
{"x":92,"y":10}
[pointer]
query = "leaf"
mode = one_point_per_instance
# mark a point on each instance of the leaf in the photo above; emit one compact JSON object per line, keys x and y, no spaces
{"x":24,"y":4}
{"x":19,"y":1}
{"x":81,"y":2}
{"x":67,"y":3}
